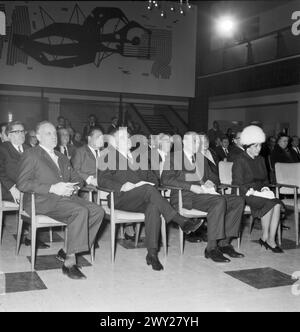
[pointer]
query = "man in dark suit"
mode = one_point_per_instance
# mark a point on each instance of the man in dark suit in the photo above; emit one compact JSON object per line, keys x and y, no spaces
{"x":84,"y":160}
{"x":64,"y":145}
{"x":214,"y":134}
{"x":92,"y":122}
{"x":211,"y":161}
{"x":282,"y":153}
{"x":10,"y":156}
{"x":124,"y":175}
{"x":223,"y":214}
{"x":237,"y":149}
{"x":49,"y":174}
{"x":3,"y":136}
{"x":114,"y":125}
{"x":222,"y":151}
{"x":295,"y":146}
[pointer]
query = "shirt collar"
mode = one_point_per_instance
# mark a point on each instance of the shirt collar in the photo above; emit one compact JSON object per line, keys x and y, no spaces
{"x":16,"y":147}
{"x":51,"y":152}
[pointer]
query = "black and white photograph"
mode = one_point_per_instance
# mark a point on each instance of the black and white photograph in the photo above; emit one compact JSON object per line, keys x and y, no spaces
{"x":149,"y":159}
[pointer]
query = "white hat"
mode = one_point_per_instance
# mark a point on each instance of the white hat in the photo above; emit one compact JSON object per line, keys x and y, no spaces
{"x":252,"y":135}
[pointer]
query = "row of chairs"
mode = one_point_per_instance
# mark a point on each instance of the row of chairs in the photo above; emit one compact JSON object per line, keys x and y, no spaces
{"x":288,"y":178}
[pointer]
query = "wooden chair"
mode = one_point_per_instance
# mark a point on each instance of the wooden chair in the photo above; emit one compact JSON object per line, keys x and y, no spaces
{"x":6,"y":206}
{"x":124,"y":217}
{"x":38,"y":221}
{"x":288,"y":183}
{"x":193,"y":213}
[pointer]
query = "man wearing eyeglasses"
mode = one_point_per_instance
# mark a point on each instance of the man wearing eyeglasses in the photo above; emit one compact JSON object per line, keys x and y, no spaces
{"x":10,"y":156}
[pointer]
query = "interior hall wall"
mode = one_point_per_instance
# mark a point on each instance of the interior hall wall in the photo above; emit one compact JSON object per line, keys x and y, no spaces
{"x":29,"y":110}
{"x":110,"y":46}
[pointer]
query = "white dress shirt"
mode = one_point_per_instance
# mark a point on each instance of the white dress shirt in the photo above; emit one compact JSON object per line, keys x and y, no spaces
{"x":19,"y":148}
{"x":52,"y":155}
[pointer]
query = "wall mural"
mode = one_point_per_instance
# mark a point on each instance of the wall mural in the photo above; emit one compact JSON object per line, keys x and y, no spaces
{"x":88,"y":36}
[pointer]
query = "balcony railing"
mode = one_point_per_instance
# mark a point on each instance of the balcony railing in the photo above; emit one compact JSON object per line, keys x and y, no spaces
{"x":276,"y":45}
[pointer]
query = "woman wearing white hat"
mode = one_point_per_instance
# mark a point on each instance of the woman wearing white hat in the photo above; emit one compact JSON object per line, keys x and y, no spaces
{"x":250,"y":174}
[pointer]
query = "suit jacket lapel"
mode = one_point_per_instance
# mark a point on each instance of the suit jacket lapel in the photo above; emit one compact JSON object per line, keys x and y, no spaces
{"x":90,"y":153}
{"x":13,"y":150}
{"x":50,"y":162}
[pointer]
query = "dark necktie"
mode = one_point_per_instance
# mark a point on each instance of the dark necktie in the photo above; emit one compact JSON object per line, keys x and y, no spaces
{"x":194,"y":158}
{"x":226,"y":152}
{"x":97,"y":153}
{"x":20,"y":150}
{"x":65,"y":151}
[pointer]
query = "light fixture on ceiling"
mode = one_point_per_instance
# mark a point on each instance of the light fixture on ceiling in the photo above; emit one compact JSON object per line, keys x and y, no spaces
{"x":181,"y":4}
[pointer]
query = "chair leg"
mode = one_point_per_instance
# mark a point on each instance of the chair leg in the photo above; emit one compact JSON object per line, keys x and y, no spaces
{"x":122,"y":231}
{"x":181,"y":240}
{"x":164,"y":235}
{"x":33,"y":243}
{"x":251,"y":219}
{"x":19,"y":234}
{"x":279,"y":233}
{"x":297,"y":226}
{"x":51,"y":234}
{"x":113,"y":238}
{"x":1,"y":220}
{"x":92,"y":252}
{"x":66,"y":239}
{"x":137,"y":233}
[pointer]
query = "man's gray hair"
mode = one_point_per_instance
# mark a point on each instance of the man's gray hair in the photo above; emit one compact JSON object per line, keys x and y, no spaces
{"x":41,"y":124}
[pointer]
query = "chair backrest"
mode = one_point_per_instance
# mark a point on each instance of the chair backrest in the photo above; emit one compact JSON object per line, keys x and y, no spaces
{"x":287,"y":173}
{"x":1,"y":204}
{"x":225,"y":172}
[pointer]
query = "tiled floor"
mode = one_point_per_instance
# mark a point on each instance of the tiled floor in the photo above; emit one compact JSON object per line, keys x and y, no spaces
{"x":259,"y":282}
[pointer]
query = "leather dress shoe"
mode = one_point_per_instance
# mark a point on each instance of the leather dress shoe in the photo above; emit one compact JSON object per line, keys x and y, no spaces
{"x":129,"y":237}
{"x":216,"y":255}
{"x":191,"y":225}
{"x":39,"y":244}
{"x":61,"y":255}
{"x":73,"y":272}
{"x":229,"y":250}
{"x":154,"y":261}
{"x":193,"y":237}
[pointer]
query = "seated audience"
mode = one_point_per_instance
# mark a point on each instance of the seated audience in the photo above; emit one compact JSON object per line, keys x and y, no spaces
{"x":77,"y":140}
{"x":222,"y":151}
{"x":282,"y":153}
{"x":214,"y":134}
{"x":134,"y":196}
{"x":211,"y":161}
{"x":114,"y":124}
{"x":92,"y":122}
{"x":295,"y":146}
{"x":31,"y":139}
{"x":49,"y":174}
{"x":64,"y":145}
{"x":70,"y":130}
{"x":250,"y":174}
{"x":224,"y":213}
{"x":10,"y":156}
{"x":84,"y":160}
{"x":230,"y":134}
{"x":61,"y":122}
{"x":3,"y":136}
{"x":236,"y":149}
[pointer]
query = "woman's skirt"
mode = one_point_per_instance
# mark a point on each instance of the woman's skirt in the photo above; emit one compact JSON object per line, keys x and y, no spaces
{"x":260,"y":206}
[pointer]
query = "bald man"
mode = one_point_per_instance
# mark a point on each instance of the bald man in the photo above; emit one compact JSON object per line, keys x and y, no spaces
{"x":49,"y":174}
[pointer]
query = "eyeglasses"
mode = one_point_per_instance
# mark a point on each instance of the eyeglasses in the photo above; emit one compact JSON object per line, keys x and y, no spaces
{"x":18,"y":131}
